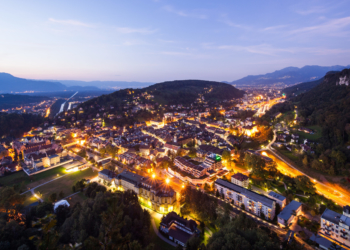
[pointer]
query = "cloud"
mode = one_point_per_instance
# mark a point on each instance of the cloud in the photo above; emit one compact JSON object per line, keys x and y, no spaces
{"x":273,"y":28}
{"x":230,"y":23}
{"x":262,"y":49}
{"x":71,"y":23}
{"x":332,"y":27}
{"x":183,"y":13}
{"x":313,"y":10}
{"x":128,"y":30}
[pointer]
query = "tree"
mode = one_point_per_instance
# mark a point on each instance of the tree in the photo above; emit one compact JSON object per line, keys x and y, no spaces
{"x":303,"y":183}
{"x":256,"y":164}
{"x":53,"y":197}
{"x":15,"y":157}
{"x":10,"y":199}
{"x":102,"y":152}
{"x":226,"y":156}
{"x":305,"y":161}
{"x":217,"y":194}
{"x":61,"y":195}
{"x":192,"y":153}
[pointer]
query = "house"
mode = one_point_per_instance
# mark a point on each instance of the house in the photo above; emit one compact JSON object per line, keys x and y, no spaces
{"x":178,"y":229}
{"x":247,"y":199}
{"x":280,"y":199}
{"x":336,"y":226}
{"x":171,"y":147}
{"x":153,"y":193}
{"x":240,"y":180}
{"x":288,"y":213}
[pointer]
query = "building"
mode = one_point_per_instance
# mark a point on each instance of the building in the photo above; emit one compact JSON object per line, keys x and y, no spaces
{"x":288,"y":213}
{"x":189,"y":167}
{"x":280,"y":199}
{"x":107,"y":175}
{"x":212,"y":162}
{"x":240,"y":180}
{"x":251,"y":201}
{"x":322,"y":242}
{"x":336,"y":226}
{"x":178,"y":229}
{"x":153,"y":193}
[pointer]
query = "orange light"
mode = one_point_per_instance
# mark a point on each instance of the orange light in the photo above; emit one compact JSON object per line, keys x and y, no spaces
{"x":264,"y":153}
{"x":153,"y":176}
{"x":167,"y":181}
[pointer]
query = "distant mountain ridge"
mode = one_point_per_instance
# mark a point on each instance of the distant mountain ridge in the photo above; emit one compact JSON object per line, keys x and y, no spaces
{"x":12,"y":84}
{"x":105,"y":84}
{"x":288,"y":76}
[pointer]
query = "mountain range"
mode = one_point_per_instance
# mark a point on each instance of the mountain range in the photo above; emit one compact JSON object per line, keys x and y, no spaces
{"x":10,"y":84}
{"x":287,"y":76}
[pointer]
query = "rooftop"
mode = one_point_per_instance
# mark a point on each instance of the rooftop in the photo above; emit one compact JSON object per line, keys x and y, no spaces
{"x":287,"y":212}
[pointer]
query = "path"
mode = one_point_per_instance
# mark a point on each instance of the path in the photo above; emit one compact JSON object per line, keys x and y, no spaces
{"x":153,"y":213}
{"x":160,"y":235}
{"x":32,"y":189}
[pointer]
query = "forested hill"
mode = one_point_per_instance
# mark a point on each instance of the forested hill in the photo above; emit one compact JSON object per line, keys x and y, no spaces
{"x":187,"y":91}
{"x":328,"y":105}
{"x":301,"y":87}
{"x":176,"y":92}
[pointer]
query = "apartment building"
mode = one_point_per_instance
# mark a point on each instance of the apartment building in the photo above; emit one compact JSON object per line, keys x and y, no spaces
{"x":240,"y":180}
{"x":189,"y":167}
{"x":253,"y":202}
{"x":280,"y":199}
{"x":212,"y":162}
{"x":336,"y":226}
{"x":153,"y":193}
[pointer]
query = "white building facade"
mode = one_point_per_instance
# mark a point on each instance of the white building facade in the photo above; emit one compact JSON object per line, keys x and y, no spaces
{"x":253,"y":202}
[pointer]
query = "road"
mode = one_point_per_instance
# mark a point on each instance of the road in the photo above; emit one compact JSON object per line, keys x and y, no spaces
{"x":331,"y":191}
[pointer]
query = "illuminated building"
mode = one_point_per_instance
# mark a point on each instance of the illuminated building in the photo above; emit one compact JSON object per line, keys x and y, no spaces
{"x":253,"y":202}
{"x":155,"y":194}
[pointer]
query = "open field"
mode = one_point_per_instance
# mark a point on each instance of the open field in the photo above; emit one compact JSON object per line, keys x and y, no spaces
{"x":315,"y":136}
{"x":80,"y":197}
{"x":288,"y":154}
{"x":65,"y":183}
{"x":21,"y":177}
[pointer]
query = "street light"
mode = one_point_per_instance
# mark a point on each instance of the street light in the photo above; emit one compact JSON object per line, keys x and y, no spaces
{"x":167,"y":181}
{"x":153,"y":176}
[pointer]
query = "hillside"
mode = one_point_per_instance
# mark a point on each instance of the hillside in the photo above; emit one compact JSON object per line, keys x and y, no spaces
{"x":11,"y":101}
{"x":187,"y":91}
{"x":301,"y":87}
{"x":10,"y":83}
{"x":175,"y":92}
{"x":328,"y":105}
{"x":287,"y":76}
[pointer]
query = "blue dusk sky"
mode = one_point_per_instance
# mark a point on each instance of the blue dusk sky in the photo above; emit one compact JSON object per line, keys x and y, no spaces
{"x":159,"y":40}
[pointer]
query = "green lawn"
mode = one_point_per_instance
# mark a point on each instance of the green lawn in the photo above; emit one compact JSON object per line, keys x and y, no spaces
{"x":65,"y":183}
{"x":315,"y":136}
{"x":159,"y":244}
{"x":288,"y":154}
{"x":21,"y":177}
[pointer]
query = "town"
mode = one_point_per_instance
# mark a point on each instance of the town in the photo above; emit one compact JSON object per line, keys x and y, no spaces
{"x":221,"y":149}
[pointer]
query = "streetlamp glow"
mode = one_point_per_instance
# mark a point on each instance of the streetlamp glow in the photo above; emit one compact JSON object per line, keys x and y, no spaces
{"x":153,"y":176}
{"x":167,"y":181}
